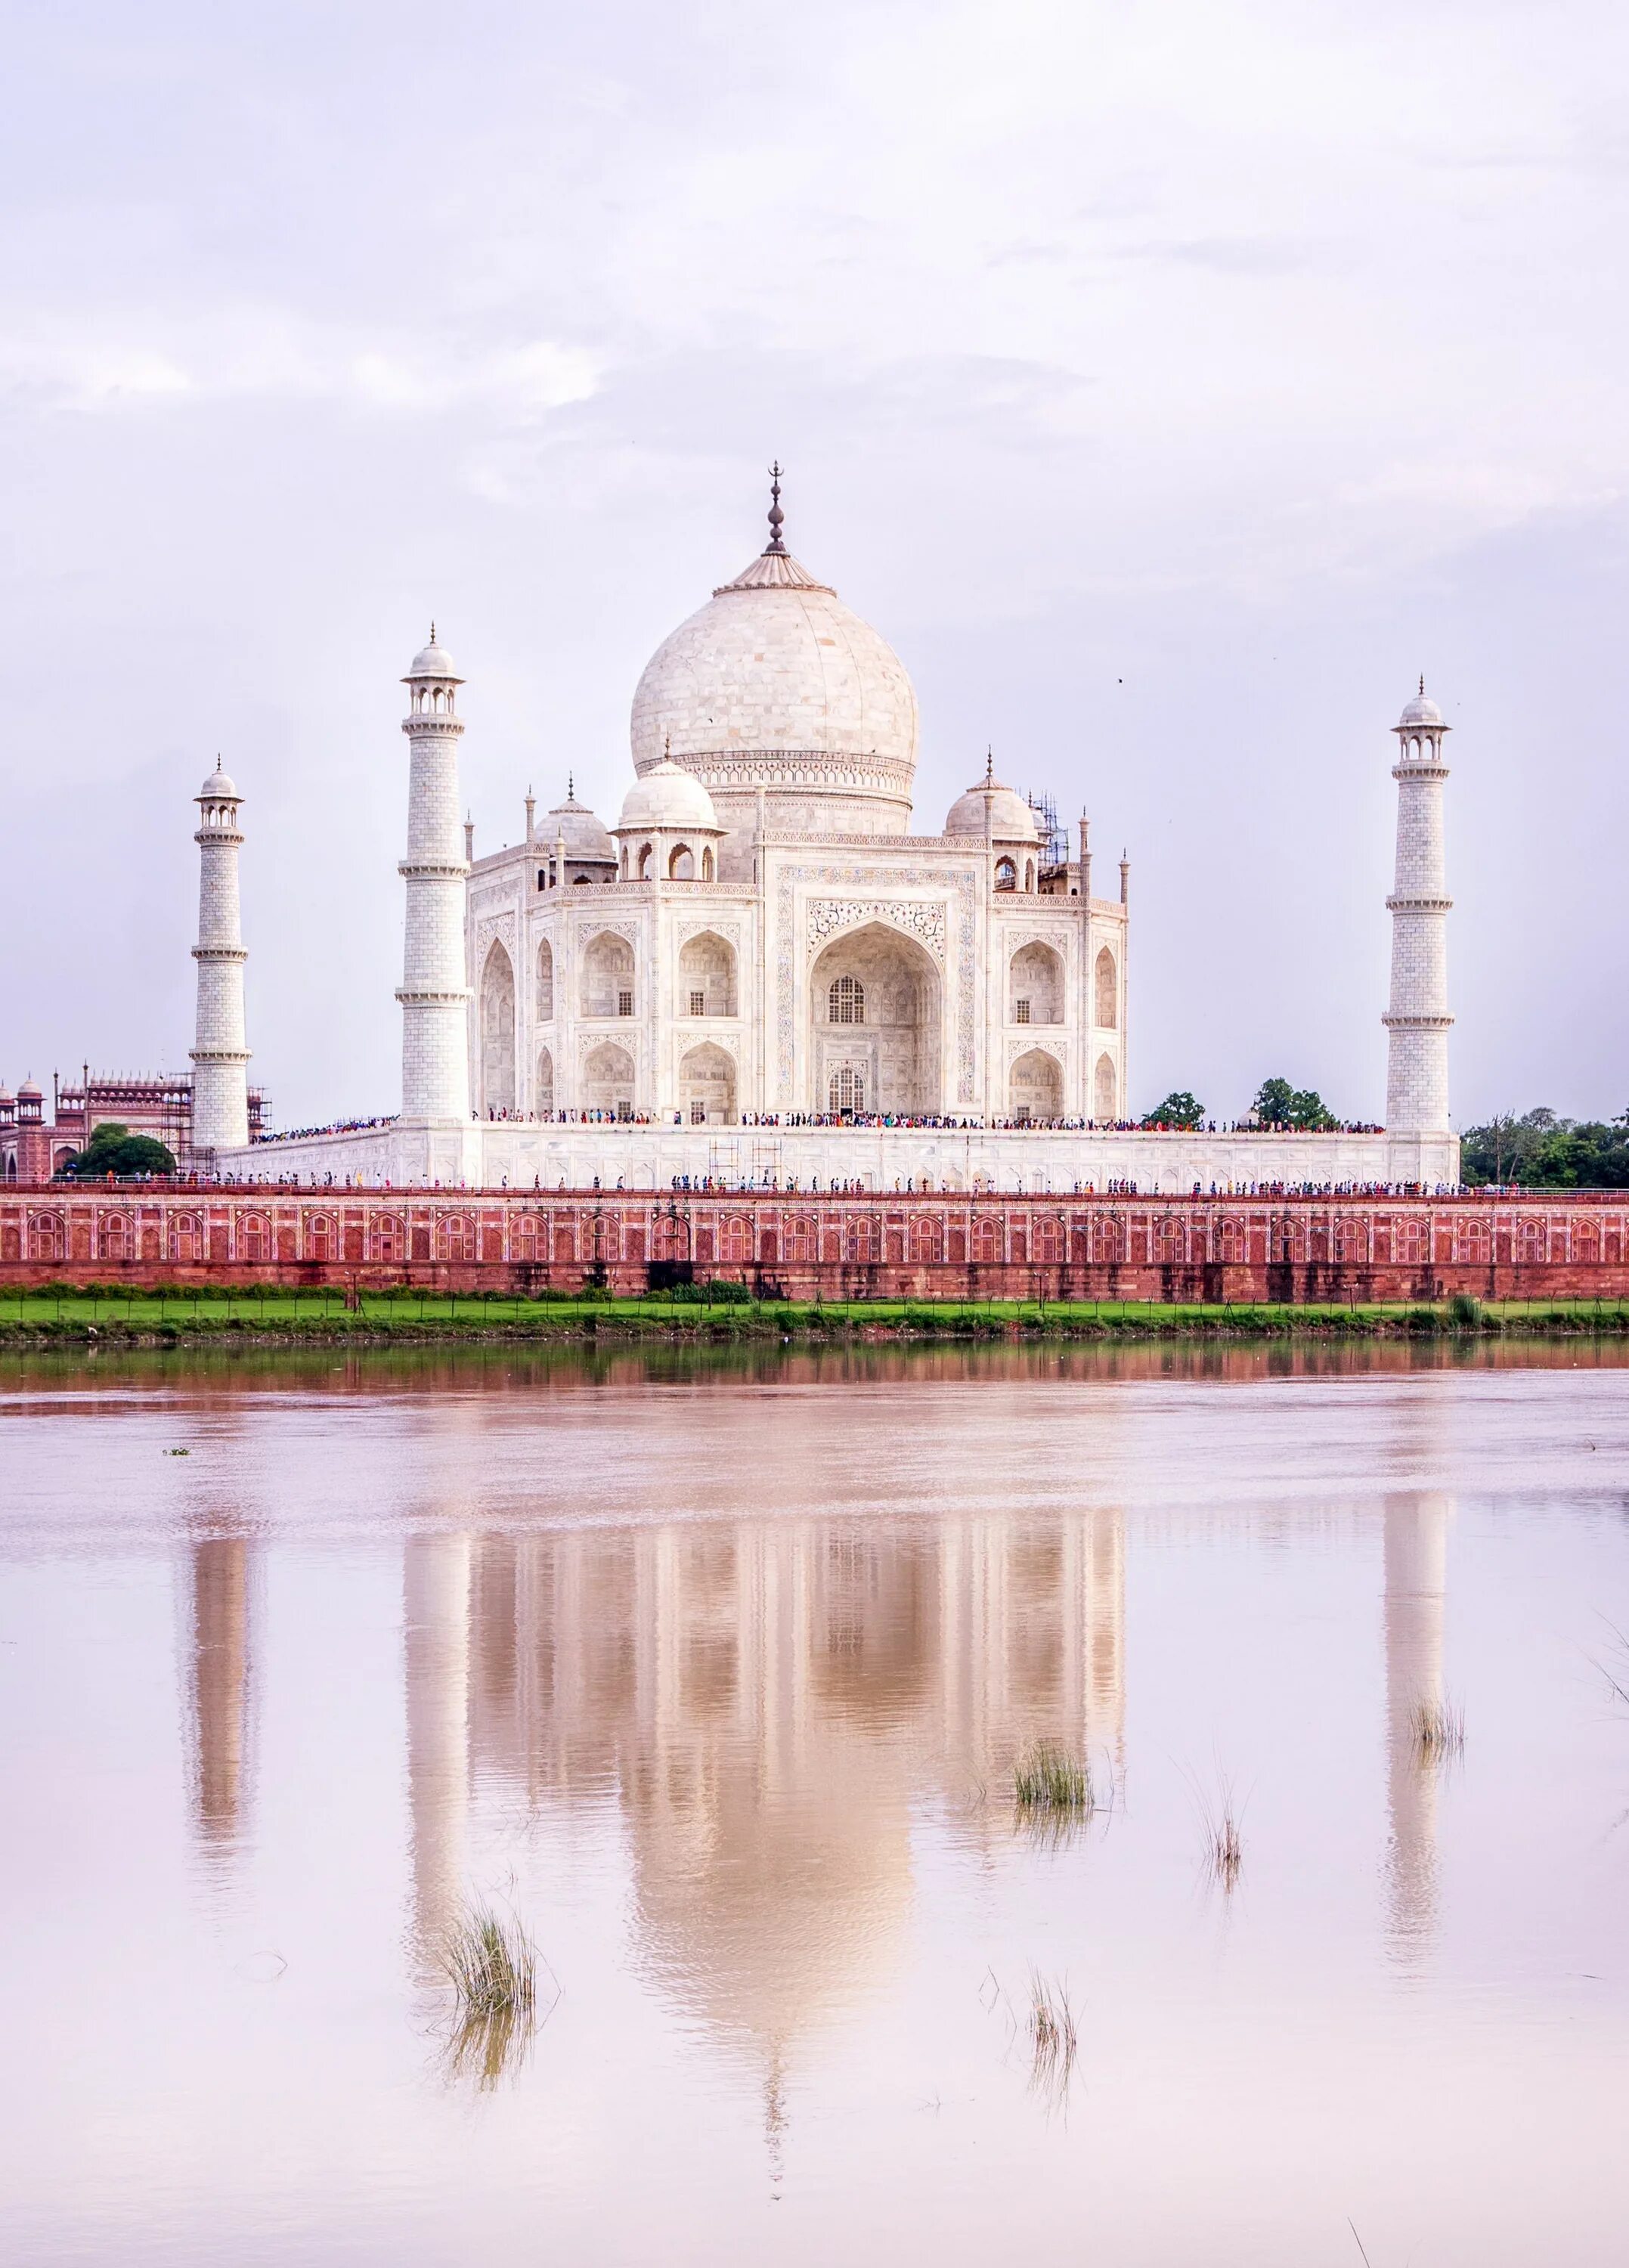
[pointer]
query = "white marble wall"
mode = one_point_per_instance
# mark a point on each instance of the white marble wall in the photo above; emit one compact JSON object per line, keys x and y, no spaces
{"x":652,"y":1157}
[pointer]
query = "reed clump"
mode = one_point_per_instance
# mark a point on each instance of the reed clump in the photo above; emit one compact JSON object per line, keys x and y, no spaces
{"x":1053,"y":2040}
{"x":491,"y":1963}
{"x":492,"y":1966}
{"x":1221,"y":1826}
{"x":1047,"y":1779}
{"x":1438,"y":1729}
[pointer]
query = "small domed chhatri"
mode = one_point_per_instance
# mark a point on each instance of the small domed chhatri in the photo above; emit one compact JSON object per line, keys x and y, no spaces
{"x":1420,"y":711}
{"x":667,"y":797}
{"x":1000,"y":811}
{"x":580,"y":829}
{"x":432,"y":660}
{"x":218,"y":787}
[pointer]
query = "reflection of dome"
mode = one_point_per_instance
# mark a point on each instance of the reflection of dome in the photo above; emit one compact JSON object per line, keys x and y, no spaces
{"x":775,"y":662}
{"x":584,"y":835}
{"x":664,"y":796}
{"x":433,"y":661}
{"x":218,"y":788}
{"x":1010,"y":818}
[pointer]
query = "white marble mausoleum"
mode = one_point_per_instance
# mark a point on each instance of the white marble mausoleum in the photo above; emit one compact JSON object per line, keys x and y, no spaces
{"x":757,"y":960}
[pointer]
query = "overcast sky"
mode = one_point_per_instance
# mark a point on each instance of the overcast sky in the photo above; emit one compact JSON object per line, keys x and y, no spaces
{"x":1170,"y":383}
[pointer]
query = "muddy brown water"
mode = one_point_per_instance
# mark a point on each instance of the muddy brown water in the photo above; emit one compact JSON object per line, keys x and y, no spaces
{"x":711,"y":1672}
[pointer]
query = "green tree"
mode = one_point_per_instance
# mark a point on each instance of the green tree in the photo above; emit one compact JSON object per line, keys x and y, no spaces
{"x":1179,"y":1110}
{"x":1278,"y":1103}
{"x":1543,"y":1151}
{"x":113,"y":1149}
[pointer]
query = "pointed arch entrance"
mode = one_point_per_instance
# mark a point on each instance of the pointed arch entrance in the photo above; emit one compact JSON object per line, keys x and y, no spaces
{"x":875,"y":1025}
{"x":497,"y":1031}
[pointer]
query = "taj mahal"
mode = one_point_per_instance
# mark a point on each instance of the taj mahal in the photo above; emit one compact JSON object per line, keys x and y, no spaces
{"x":758,"y":971}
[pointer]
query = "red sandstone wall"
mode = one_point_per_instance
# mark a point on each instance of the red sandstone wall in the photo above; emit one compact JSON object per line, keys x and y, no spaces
{"x":919,"y":1246}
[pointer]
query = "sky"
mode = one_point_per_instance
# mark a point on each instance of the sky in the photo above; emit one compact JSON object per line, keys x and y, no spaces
{"x":1170,"y":384}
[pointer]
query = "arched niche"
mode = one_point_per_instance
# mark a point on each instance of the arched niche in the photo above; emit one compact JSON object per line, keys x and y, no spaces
{"x":707,"y":1087}
{"x":544,"y":1102}
{"x":1036,"y":1086}
{"x":545,"y":982}
{"x":1035,"y":986}
{"x":1106,"y":988}
{"x":607,"y":980}
{"x":883,"y":1027}
{"x":707,"y":976}
{"x":497,"y":1031}
{"x":608,"y":1080}
{"x":1103,"y":1097}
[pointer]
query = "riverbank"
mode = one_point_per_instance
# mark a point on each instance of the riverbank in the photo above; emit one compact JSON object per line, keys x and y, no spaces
{"x":88,"y":1317}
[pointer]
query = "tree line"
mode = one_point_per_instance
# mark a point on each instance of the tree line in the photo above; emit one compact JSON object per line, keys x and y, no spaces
{"x":1543,"y":1151}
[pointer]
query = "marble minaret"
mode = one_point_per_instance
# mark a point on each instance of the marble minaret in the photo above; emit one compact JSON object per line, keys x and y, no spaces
{"x":1417,"y":1020}
{"x":434,"y":992}
{"x":220,"y":1093}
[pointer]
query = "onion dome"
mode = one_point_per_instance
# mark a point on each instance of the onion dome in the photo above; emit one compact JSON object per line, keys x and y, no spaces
{"x":1421,"y":710}
{"x":219,"y":787}
{"x":666,"y":796}
{"x":776,"y":685}
{"x":583,"y":833}
{"x":1010,"y":818}
{"x":433,"y":660}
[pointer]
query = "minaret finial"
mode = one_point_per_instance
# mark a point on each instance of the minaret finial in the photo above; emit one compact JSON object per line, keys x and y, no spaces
{"x":777,"y":516}
{"x":1422,"y":684}
{"x":667,"y":747}
{"x":990,"y":765}
{"x":571,"y":787}
{"x":433,"y":633}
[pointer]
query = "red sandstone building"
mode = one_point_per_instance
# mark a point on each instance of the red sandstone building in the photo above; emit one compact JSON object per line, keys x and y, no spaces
{"x":32,"y":1148}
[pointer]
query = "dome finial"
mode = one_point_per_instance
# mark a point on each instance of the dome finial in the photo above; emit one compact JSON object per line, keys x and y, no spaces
{"x":667,"y":747}
{"x":571,"y":787}
{"x":990,"y":765}
{"x":777,"y":516}
{"x":1422,"y":684}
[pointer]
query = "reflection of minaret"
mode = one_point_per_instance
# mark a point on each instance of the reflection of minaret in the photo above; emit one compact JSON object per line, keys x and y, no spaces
{"x":436,"y":1618}
{"x":219,"y":1679}
{"x":1416,"y":1559}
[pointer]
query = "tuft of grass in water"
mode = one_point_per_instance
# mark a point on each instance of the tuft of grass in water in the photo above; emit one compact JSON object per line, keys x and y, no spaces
{"x":1439,"y":1730}
{"x":1220,"y":1821}
{"x":491,"y":1963}
{"x":1053,"y":2041}
{"x":1047,"y":1779}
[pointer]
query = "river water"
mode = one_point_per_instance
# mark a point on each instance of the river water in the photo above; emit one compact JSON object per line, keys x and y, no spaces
{"x":712,"y":1677}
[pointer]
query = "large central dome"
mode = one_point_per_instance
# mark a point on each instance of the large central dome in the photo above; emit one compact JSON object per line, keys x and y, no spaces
{"x":775,"y":687}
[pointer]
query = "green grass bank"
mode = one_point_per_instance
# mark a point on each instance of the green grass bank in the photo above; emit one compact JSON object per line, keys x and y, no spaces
{"x":88,"y":1315}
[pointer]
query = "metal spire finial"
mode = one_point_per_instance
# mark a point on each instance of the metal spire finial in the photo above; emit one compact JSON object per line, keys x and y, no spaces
{"x":777,"y":516}
{"x":433,"y":633}
{"x":571,"y":787}
{"x":667,"y":747}
{"x":990,"y":765}
{"x":1422,"y":684}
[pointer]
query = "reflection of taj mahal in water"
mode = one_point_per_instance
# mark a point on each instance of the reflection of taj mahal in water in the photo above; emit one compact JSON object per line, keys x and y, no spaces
{"x":767,"y":1705}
